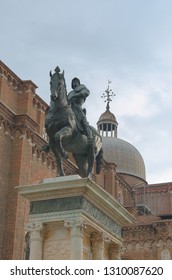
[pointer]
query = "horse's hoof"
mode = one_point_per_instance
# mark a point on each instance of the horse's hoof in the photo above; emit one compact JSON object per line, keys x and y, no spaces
{"x":89,"y":174}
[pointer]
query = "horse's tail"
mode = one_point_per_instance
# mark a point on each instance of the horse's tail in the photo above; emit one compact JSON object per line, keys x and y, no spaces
{"x":99,"y":161}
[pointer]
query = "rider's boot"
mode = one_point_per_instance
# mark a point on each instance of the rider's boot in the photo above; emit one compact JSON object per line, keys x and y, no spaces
{"x":89,"y":136}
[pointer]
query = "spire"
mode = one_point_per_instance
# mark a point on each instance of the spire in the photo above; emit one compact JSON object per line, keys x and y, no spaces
{"x":107,"y":96}
{"x":107,"y":123}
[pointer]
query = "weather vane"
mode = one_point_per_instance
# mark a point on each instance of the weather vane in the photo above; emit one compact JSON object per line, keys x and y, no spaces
{"x":107,"y":95}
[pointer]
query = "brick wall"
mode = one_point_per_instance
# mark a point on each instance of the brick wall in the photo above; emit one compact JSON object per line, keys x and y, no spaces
{"x":5,"y":152}
{"x":22,"y":161}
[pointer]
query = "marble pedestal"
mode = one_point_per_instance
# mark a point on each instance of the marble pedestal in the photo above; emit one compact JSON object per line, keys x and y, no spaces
{"x":73,"y":218}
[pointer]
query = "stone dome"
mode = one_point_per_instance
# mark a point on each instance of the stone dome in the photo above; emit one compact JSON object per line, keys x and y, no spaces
{"x":126,"y":157}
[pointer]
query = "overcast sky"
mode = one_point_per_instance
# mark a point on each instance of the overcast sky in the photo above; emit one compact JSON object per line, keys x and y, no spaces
{"x":126,"y":41}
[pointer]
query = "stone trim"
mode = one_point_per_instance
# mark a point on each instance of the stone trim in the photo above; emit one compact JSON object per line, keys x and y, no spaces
{"x":79,"y":187}
{"x":74,"y":203}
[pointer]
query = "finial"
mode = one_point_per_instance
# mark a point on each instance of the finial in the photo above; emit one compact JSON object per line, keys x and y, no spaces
{"x":57,"y":69}
{"x":107,"y":96}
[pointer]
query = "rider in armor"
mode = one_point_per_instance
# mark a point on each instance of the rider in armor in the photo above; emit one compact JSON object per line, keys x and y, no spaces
{"x":76,"y":98}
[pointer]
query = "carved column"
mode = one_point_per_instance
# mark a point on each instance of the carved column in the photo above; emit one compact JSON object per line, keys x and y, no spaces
{"x":35,"y":230}
{"x":97,"y":242}
{"x":76,"y":238}
{"x":114,"y":252}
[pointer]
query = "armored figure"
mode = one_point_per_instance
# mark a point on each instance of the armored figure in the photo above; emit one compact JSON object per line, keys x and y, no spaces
{"x":76,"y":98}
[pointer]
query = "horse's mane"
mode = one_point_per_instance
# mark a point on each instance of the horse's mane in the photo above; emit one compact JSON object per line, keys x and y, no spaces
{"x":64,"y":83}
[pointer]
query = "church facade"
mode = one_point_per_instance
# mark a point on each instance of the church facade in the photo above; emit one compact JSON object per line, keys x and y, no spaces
{"x":123,"y":177}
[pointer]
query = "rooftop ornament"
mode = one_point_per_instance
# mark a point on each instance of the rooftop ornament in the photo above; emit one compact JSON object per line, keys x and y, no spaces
{"x":107,"y":95}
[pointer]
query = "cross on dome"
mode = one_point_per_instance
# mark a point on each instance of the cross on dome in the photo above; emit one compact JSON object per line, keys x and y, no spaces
{"x":107,"y":95}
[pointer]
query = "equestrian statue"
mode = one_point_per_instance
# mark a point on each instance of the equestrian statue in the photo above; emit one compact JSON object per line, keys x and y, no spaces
{"x":68,"y":129}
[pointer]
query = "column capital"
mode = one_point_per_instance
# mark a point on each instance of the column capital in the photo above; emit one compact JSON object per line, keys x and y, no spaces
{"x":114,"y":251}
{"x":75,"y":225}
{"x":31,"y":227}
{"x":97,"y":238}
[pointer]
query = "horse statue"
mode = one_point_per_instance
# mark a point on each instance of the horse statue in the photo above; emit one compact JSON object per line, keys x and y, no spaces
{"x":64,"y":134}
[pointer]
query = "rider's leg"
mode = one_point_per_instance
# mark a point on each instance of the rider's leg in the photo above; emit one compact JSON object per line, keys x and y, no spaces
{"x":87,"y":129}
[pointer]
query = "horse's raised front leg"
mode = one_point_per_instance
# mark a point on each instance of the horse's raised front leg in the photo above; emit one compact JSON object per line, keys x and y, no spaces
{"x":65,"y":131}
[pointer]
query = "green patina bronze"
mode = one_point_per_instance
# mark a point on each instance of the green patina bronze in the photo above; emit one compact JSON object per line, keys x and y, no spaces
{"x":68,"y":129}
{"x":60,"y":205}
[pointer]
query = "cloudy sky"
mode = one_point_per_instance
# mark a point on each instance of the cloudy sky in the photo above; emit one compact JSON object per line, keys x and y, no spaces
{"x":126,"y":41}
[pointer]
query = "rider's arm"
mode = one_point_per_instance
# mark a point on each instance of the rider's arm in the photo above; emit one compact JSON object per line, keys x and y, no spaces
{"x":81,"y":91}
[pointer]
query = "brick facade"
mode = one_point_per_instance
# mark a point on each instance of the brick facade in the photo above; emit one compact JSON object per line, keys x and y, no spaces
{"x":22,"y":160}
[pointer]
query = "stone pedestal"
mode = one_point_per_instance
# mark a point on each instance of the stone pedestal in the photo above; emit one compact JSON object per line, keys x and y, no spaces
{"x":71,"y":217}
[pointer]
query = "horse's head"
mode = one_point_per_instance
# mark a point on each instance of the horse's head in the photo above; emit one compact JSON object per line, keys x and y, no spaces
{"x":55,"y":84}
{"x":58,"y":87}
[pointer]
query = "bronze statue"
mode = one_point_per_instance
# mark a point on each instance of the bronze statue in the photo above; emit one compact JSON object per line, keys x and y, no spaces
{"x":68,"y":129}
{"x":76,"y":98}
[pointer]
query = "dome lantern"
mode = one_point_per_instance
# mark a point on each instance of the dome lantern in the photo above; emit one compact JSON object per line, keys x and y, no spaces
{"x":107,"y":123}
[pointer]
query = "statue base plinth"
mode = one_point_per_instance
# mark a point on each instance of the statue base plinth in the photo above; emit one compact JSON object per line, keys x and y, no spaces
{"x":73,"y":218}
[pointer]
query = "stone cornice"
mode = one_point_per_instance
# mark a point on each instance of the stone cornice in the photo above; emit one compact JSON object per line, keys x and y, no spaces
{"x":14,"y":80}
{"x":14,"y":121}
{"x":70,"y":186}
{"x":123,"y":183}
{"x":8,"y":70}
{"x":71,"y":204}
{"x":25,"y":119}
{"x":156,"y":188}
{"x":6,"y":113}
{"x":155,"y":230}
{"x":37,"y":97}
{"x":29,"y":83}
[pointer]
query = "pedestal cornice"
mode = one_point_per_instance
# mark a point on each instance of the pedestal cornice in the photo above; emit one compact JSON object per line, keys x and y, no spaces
{"x":75,"y":186}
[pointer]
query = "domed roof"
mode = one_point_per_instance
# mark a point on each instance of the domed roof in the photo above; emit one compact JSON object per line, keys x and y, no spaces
{"x":127,"y":158}
{"x":107,"y":116}
{"x":124,"y":155}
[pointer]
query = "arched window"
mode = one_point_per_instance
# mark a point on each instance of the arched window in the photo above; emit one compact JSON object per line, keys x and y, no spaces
{"x":165,"y":255}
{"x":120,"y":198}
